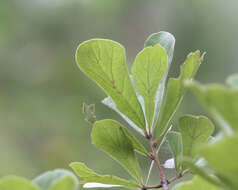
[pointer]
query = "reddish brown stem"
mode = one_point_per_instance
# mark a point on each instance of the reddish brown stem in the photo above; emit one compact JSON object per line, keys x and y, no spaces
{"x":164,"y":181}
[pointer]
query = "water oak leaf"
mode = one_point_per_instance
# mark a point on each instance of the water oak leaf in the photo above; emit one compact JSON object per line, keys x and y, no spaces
{"x":16,"y":183}
{"x":195,"y":130}
{"x":176,"y":90}
{"x":220,"y":102}
{"x":175,"y":143}
{"x":49,"y":179}
{"x":111,"y":137}
{"x":104,"y":62}
{"x":92,"y":179}
{"x":149,"y":67}
{"x":167,"y":41}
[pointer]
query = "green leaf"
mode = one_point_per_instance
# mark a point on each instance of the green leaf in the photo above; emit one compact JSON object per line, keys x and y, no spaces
{"x":47,"y":180}
{"x":232,"y":80}
{"x":104,"y":62}
{"x":138,"y":147}
{"x":148,"y":70}
{"x":66,"y":183}
{"x":16,"y":183}
{"x":167,"y":41}
{"x":89,"y":176}
{"x":195,"y":131}
{"x":110,"y":136}
{"x":109,"y":103}
{"x":176,"y":146}
{"x":197,"y":183}
{"x":222,"y":156}
{"x":176,"y":91}
{"x":221,"y":103}
{"x":195,"y":169}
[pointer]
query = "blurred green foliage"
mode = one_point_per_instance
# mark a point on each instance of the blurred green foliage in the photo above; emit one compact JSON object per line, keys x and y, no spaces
{"x":42,"y":90}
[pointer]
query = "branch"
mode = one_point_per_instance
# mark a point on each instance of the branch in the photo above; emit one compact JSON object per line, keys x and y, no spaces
{"x":154,"y":156}
{"x":160,"y":185}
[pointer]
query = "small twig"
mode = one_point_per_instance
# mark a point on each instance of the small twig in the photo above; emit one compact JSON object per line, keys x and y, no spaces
{"x":175,"y":178}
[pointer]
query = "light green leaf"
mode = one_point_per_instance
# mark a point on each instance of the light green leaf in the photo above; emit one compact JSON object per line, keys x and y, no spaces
{"x":66,"y":183}
{"x":16,"y":183}
{"x":197,"y":183}
{"x":232,"y":80}
{"x":104,"y":61}
{"x":47,"y":180}
{"x":148,"y":70}
{"x":109,"y":102}
{"x":89,"y":176}
{"x":176,"y":91}
{"x":222,"y":156}
{"x":195,"y":169}
{"x":138,"y":147}
{"x":176,"y":146}
{"x":110,"y":136}
{"x":221,"y":103}
{"x":195,"y":131}
{"x":167,"y":41}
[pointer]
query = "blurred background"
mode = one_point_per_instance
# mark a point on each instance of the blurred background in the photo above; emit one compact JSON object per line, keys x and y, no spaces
{"x":42,"y":90}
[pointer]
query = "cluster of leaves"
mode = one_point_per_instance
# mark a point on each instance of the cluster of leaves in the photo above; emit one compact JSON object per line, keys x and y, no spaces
{"x":147,"y":102}
{"x":220,"y":170}
{"x":142,"y":99}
